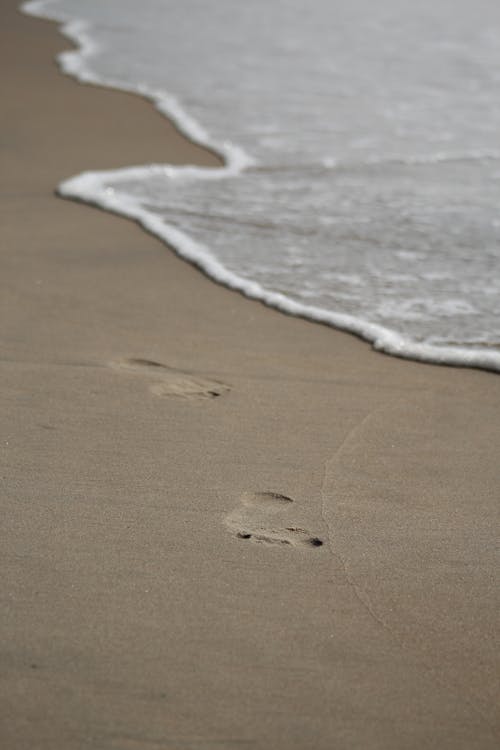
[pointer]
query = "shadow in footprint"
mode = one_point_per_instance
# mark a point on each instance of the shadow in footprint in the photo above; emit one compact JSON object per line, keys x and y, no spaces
{"x":256,"y":520}
{"x":169,"y":381}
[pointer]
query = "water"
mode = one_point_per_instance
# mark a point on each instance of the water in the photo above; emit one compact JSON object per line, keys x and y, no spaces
{"x":362,"y":152}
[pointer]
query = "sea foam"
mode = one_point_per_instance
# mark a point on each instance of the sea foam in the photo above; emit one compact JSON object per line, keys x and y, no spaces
{"x":302,"y":208}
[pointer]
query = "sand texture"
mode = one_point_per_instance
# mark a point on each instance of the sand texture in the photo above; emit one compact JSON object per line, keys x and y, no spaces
{"x":222,"y":527}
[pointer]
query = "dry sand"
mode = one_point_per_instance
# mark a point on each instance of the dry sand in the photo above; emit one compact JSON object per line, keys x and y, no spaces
{"x":134,"y":616}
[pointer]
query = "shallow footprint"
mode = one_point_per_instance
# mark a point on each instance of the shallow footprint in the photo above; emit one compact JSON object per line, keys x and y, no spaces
{"x":172,"y":382}
{"x":254,"y":520}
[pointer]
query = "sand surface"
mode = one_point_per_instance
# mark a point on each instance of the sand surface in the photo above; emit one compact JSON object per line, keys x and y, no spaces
{"x":221,"y":527}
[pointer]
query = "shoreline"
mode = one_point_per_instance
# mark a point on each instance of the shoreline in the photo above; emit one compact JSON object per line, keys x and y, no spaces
{"x":90,"y":187}
{"x":171,"y":447}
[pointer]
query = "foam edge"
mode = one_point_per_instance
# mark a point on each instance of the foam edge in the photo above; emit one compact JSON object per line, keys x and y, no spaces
{"x":90,"y":187}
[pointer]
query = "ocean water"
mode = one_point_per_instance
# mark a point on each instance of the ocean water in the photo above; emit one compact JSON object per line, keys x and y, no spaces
{"x":361,"y":143}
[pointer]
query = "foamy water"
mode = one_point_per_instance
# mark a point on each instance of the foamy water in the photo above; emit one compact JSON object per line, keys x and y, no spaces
{"x":362,"y":152}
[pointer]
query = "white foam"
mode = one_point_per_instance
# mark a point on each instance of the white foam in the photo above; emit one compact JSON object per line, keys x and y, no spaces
{"x":93,"y":188}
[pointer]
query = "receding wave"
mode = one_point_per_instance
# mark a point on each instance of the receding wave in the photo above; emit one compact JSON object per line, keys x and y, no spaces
{"x":395,"y":246}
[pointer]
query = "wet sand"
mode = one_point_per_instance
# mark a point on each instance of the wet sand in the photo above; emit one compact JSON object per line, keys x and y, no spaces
{"x":222,"y":527}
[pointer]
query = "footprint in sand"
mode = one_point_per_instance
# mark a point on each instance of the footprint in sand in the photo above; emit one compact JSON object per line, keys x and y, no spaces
{"x":261,"y":517}
{"x":168,"y":381}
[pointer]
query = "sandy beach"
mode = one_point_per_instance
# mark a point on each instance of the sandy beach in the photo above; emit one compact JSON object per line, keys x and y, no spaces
{"x":222,"y":527}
